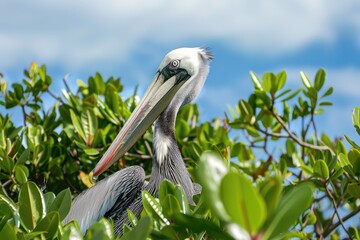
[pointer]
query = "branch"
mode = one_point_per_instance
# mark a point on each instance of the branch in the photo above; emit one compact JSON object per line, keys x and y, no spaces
{"x":341,"y":221}
{"x":337,"y":213}
{"x":299,"y":141}
{"x":139,"y":156}
{"x":272,"y":134}
{"x":54,"y":96}
{"x":65,"y":78}
{"x":24,"y":113}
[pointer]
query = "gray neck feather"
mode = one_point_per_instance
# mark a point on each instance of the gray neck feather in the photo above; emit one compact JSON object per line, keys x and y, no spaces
{"x":168,"y":162}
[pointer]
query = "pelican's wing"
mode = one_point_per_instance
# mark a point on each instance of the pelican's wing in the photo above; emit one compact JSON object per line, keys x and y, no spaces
{"x":92,"y":204}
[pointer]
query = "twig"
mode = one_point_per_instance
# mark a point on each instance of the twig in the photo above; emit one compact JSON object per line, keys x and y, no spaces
{"x":139,"y":156}
{"x":272,"y":134}
{"x":24,"y":113}
{"x":149,"y":149}
{"x":297,"y":140}
{"x":54,"y":96}
{"x":341,"y":221}
{"x":336,"y":211}
{"x":3,"y":185}
{"x":65,"y":82}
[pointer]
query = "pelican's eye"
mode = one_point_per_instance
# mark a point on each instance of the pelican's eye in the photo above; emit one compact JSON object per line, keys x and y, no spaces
{"x":174,"y":64}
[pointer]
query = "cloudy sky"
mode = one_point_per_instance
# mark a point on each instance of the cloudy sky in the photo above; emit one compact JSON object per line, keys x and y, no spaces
{"x":130,"y":38}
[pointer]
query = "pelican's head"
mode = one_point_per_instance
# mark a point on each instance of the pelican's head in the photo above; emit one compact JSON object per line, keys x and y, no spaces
{"x":178,"y":80}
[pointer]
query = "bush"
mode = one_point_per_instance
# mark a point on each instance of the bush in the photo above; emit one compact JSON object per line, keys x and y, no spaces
{"x":261,"y":179}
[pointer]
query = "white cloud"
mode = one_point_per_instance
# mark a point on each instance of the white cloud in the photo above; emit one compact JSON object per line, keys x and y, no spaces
{"x":82,"y":33}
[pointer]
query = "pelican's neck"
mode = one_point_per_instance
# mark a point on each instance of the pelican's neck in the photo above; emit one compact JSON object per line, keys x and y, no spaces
{"x":164,"y":138}
{"x":168,"y":162}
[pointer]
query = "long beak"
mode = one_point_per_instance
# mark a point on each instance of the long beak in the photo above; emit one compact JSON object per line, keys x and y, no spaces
{"x":157,"y":97}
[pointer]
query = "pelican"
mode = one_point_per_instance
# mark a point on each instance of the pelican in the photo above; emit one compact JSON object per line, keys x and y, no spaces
{"x":178,"y":80}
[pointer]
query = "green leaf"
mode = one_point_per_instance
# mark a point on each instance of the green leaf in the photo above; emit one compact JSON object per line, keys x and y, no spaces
{"x":291,"y":206}
{"x":100,"y":230}
{"x":31,"y":205}
{"x":8,"y":232}
{"x":326,"y":104}
{"x":268,"y":82}
{"x":321,"y":169}
{"x":354,"y":189}
{"x":319,"y":79}
{"x":281,"y":78}
{"x":49,"y":224}
{"x":170,"y":206}
{"x":131,"y":216}
{"x":242,"y":202}
{"x":271,"y":189}
{"x":328,"y":92}
{"x":167,"y":188}
{"x":141,"y":231}
{"x":352,"y":143}
{"x":345,"y":163}
{"x":210,"y":172}
{"x":62,"y":203}
{"x":77,"y":125}
{"x":182,"y":129}
{"x":9,"y":208}
{"x":356,"y":119}
{"x":112,"y":98}
{"x":49,"y":199}
{"x":256,"y":81}
{"x":89,"y":125}
{"x":3,"y":85}
{"x":291,"y":96}
{"x":152,"y":207}
{"x":305,"y":80}
{"x":21,"y":174}
{"x":198,"y":225}
{"x":71,"y":232}
{"x":354,"y":158}
{"x":25,"y":156}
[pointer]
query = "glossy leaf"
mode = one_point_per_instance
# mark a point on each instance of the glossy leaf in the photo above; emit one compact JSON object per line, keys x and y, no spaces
{"x":9,"y":208}
{"x":168,"y":188}
{"x":321,"y":169}
{"x":49,"y":224}
{"x":8,"y":232}
{"x":141,"y":231}
{"x":271,"y":189}
{"x":49,"y":198}
{"x":356,"y":119}
{"x":78,"y":126}
{"x":242,"y":202}
{"x":71,"y":232}
{"x":319,"y":79}
{"x":170,"y":206}
{"x":210,"y":173}
{"x":21,"y":174}
{"x":131,"y":216}
{"x":62,"y":203}
{"x":152,"y":207}
{"x":305,"y":80}
{"x":291,"y":206}
{"x":354,"y":190}
{"x":31,"y":205}
{"x":100,"y":230}
{"x":198,"y":225}
{"x":256,"y":81}
{"x":89,"y":125}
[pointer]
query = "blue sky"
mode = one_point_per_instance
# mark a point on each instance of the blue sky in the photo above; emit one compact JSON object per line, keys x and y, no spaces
{"x":130,"y":38}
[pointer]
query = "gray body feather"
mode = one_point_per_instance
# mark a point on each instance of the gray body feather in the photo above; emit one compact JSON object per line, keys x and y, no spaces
{"x":119,"y":189}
